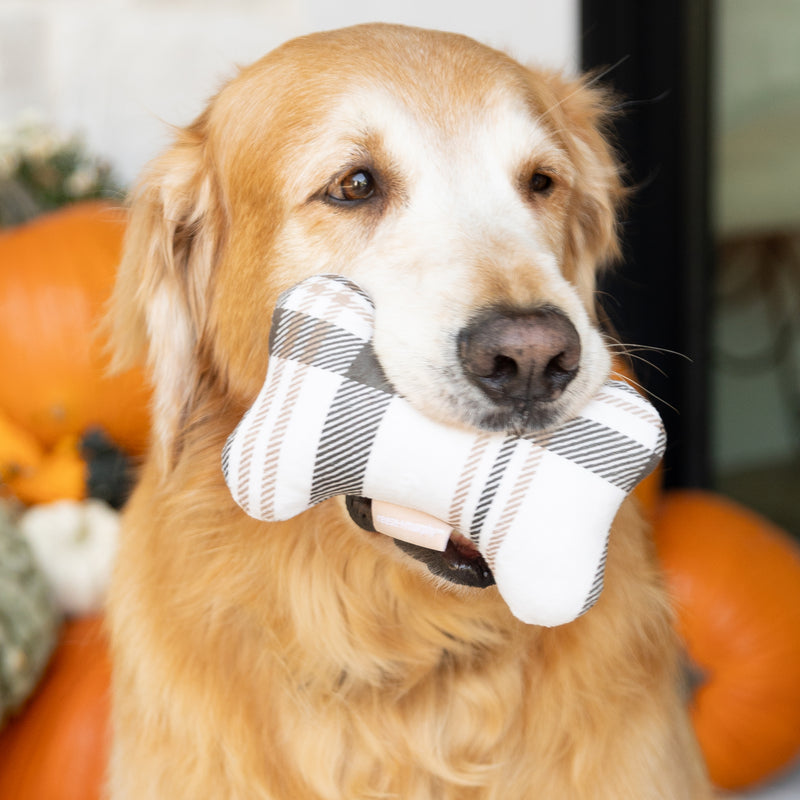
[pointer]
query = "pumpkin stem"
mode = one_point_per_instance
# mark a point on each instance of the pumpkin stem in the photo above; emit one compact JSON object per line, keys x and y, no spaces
{"x":695,"y":677}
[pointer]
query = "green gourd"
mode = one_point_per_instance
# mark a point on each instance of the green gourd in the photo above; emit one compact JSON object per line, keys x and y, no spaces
{"x":29,"y":619}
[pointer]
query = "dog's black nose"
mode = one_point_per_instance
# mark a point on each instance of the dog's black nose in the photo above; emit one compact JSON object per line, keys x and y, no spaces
{"x":520,"y":357}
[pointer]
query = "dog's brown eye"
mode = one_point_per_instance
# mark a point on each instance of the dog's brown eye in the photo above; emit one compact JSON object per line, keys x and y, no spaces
{"x":540,"y":183}
{"x":356,"y":185}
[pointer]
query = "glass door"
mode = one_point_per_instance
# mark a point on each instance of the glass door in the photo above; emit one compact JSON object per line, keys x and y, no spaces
{"x":755,"y":442}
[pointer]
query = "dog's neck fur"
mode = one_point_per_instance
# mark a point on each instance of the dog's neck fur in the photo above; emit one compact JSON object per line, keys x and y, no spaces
{"x":348,"y":668}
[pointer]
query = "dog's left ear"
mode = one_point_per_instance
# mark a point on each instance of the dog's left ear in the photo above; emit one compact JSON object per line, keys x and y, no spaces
{"x":580,"y":114}
{"x":159,"y":305}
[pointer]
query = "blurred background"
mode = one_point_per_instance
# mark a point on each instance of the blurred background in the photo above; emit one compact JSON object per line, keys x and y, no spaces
{"x":756,"y":191}
{"x":709,"y":130}
{"x":710,"y":127}
{"x":711,"y":100}
{"x":120,"y":71}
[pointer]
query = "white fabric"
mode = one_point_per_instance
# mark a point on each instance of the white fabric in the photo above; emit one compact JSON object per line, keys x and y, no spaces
{"x":538,"y":507}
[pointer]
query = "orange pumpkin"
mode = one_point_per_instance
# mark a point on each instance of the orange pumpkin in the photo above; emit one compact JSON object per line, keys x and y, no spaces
{"x":649,"y":492}
{"x":735,"y":580}
{"x":56,"y":275}
{"x":57,"y":748}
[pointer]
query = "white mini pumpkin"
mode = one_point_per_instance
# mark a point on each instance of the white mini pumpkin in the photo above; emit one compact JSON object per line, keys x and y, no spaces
{"x":75,"y":543}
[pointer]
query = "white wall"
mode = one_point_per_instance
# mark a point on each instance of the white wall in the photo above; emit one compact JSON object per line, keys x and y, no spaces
{"x":119,"y":70}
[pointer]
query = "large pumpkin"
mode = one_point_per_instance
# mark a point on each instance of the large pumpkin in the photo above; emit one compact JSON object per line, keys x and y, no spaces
{"x":735,"y":580}
{"x":56,"y":275}
{"x":57,"y":748}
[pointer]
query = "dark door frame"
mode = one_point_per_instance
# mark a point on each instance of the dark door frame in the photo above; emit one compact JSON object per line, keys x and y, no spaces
{"x":658,"y":57}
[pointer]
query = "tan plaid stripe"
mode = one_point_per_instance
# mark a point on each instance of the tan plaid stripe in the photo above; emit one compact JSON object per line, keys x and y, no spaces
{"x":248,"y":446}
{"x":272,"y":456}
{"x":466,"y":478}
{"x":638,"y":409}
{"x":344,"y":296}
{"x":512,"y":506}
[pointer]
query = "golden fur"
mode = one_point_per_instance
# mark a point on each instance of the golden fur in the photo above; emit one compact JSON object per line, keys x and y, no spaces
{"x":310,"y":659}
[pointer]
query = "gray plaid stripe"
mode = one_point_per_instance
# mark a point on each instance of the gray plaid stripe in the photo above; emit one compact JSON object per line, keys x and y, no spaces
{"x":308,"y":340}
{"x":624,"y":386}
{"x":630,"y":473}
{"x":611,"y":455}
{"x":365,"y":369}
{"x":597,"y":584}
{"x":226,"y":455}
{"x":490,"y":487}
{"x":344,"y":447}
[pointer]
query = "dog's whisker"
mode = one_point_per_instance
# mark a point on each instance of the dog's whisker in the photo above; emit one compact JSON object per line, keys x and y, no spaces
{"x":631,"y":352}
{"x":594,"y":79}
{"x":629,"y":348}
{"x":652,"y":365}
{"x":636,"y":348}
{"x":648,"y":392}
{"x":648,"y":101}
{"x":631,"y":355}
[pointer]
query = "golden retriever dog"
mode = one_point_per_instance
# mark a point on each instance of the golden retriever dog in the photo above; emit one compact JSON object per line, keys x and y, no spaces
{"x":311,"y":659}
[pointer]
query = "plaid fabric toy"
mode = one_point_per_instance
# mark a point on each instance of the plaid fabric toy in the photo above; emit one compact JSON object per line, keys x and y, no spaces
{"x":538,"y":506}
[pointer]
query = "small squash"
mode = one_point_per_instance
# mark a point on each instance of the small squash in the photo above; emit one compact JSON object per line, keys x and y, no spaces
{"x":57,"y":748}
{"x":735,"y":581}
{"x":56,"y":276}
{"x":20,"y":453}
{"x":29,"y":619}
{"x":75,"y":544}
{"x":59,"y":475}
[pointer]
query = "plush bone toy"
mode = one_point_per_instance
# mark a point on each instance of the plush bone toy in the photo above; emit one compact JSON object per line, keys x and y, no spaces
{"x":538,"y":507}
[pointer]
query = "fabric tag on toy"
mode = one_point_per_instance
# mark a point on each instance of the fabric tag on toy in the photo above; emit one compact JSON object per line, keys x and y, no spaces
{"x":537,"y":506}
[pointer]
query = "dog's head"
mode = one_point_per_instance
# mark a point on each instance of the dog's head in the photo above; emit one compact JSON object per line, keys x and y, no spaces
{"x":472,"y":198}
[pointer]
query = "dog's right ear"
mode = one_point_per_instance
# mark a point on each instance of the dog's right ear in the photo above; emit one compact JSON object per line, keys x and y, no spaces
{"x":580,"y":112}
{"x":159,"y":305}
